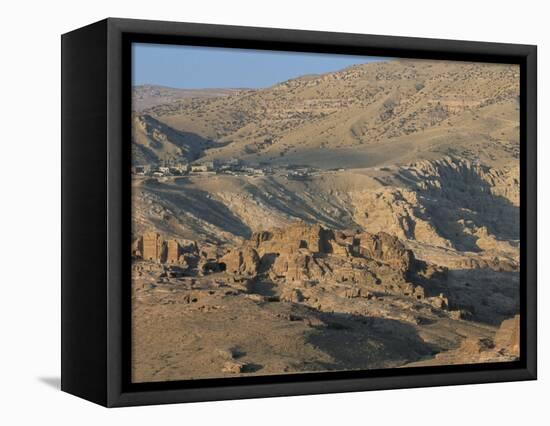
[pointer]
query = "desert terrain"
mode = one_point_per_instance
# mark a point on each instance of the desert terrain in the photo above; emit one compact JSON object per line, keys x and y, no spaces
{"x":361,"y":219}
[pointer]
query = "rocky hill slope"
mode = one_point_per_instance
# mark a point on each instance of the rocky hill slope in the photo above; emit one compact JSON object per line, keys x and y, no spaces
{"x":153,"y":142}
{"x":447,"y":203}
{"x":378,"y":113}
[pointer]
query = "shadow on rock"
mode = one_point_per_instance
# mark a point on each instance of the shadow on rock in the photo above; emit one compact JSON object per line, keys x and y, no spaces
{"x":458,"y":198}
{"x":484,"y":295}
{"x":361,"y":342}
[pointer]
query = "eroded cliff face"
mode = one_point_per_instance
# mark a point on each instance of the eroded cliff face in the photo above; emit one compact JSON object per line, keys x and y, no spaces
{"x":447,"y":203}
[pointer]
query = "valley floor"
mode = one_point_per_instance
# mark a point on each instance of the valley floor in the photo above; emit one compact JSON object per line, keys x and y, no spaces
{"x":192,"y":328}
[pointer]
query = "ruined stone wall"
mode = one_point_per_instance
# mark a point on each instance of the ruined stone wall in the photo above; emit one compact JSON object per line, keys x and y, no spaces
{"x":152,"y":246}
{"x":172,"y":251}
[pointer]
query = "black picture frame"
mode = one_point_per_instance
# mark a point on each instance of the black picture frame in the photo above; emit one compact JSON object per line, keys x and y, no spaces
{"x":96,"y":113}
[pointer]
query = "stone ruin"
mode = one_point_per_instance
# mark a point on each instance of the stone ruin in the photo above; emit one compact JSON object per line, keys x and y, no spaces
{"x":152,"y":247}
{"x":172,"y":251}
{"x":301,"y":255}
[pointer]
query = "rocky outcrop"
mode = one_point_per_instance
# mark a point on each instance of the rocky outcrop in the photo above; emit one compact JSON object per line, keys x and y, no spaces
{"x":503,"y":347}
{"x":153,"y":141}
{"x":308,"y":254}
{"x":453,"y":175}
{"x":494,"y":263}
{"x":396,"y":211}
{"x":296,"y":236}
{"x":303,"y":255}
{"x":241,"y":261}
{"x":292,"y":295}
{"x":303,"y":238}
{"x":386,"y":248}
{"x":507,"y":337}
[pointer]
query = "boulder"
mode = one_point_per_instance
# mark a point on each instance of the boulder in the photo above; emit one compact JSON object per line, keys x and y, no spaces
{"x":233,"y":367}
{"x":473,"y":346}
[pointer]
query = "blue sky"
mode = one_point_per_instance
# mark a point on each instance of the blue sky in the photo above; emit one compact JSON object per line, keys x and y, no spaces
{"x":191,"y":67}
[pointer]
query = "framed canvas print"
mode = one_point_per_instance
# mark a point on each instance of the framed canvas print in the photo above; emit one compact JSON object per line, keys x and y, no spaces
{"x":253,"y":212}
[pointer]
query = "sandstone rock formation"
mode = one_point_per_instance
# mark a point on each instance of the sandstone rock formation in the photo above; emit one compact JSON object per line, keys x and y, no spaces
{"x":304,"y":255}
{"x":385,"y":248}
{"x":243,"y":261}
{"x":153,"y":247}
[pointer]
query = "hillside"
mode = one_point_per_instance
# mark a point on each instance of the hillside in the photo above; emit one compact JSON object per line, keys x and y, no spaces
{"x":154,"y":142}
{"x":446,"y":203}
{"x":147,"y":95}
{"x":373,"y":114}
